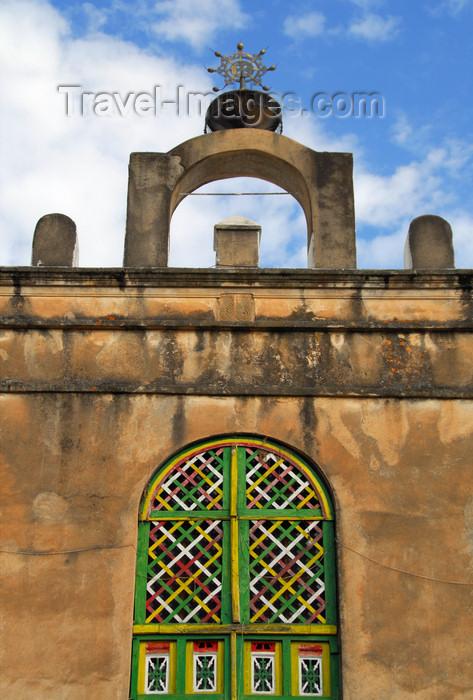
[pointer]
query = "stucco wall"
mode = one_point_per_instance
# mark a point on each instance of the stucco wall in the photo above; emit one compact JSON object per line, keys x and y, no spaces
{"x":88,"y":412}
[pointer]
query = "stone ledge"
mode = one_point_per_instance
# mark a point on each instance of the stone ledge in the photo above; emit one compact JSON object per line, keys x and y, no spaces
{"x":374,"y":392}
{"x":123,"y":278}
{"x":22,"y":322}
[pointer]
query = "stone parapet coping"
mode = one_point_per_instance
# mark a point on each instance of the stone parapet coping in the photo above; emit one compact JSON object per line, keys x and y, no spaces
{"x":239,"y":277}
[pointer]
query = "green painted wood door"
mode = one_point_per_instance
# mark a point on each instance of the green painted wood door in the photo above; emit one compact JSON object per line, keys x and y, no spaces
{"x":235,"y":588}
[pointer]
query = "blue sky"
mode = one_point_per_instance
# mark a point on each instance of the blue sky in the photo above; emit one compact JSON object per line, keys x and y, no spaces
{"x":416,"y":159}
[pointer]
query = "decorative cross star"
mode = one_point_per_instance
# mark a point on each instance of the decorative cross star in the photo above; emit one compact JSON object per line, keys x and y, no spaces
{"x":241,"y":66}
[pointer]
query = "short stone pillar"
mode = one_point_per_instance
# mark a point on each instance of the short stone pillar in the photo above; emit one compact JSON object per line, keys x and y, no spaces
{"x":152,"y":179}
{"x":55,"y":242}
{"x":429,"y":244}
{"x":236,"y":242}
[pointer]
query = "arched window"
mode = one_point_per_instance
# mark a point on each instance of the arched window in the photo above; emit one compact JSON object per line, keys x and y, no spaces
{"x":235,"y":587}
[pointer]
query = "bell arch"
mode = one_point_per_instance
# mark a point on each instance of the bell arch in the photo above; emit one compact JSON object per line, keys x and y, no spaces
{"x":245,"y":163}
{"x":235,"y":588}
{"x":321,"y":182}
{"x":282,"y":239}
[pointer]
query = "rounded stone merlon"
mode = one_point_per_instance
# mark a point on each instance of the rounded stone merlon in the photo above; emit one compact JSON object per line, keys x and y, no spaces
{"x":55,"y":242}
{"x":429,"y":244}
{"x":236,"y":242}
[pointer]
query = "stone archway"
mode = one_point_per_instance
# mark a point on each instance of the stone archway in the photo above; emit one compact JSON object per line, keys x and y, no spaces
{"x":321,"y":183}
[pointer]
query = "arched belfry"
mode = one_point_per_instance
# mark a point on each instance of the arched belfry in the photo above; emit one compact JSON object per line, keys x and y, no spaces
{"x":243,"y":144}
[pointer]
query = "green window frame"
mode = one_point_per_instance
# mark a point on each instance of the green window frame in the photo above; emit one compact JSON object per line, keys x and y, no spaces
{"x":235,"y":583}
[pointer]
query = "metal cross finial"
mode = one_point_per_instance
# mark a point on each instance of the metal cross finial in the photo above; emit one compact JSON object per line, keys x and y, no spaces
{"x":241,"y":66}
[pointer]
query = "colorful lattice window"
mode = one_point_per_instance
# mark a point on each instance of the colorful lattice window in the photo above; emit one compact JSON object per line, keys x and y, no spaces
{"x":204,"y":677}
{"x":156,"y":664}
{"x":235,"y":593}
{"x":184,"y":573}
{"x":157,"y":668}
{"x":310,"y":670}
{"x":263,"y":668}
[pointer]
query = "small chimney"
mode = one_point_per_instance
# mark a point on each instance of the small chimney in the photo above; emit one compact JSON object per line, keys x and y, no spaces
{"x":236,"y":242}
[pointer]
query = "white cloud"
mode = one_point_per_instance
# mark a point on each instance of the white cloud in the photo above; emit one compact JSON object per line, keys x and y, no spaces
{"x":383,"y":251}
{"x":368,"y":4}
{"x":303,"y":26}
{"x":374,"y":28}
{"x":411,"y":190}
{"x":76,"y":165}
{"x":462,"y":228}
{"x":96,"y":17}
{"x":455,"y":6}
{"x":310,"y":132}
{"x":454,"y":155}
{"x":392,"y":201}
{"x":402,"y":130}
{"x":386,"y":250}
{"x":197,"y":23}
{"x":370,"y":26}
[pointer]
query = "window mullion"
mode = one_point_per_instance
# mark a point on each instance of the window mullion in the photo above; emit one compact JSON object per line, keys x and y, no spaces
{"x":235,"y":582}
{"x":244,"y":578}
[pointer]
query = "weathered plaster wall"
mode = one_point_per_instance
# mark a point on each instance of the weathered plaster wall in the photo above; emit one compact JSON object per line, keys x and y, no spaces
{"x":88,"y":413}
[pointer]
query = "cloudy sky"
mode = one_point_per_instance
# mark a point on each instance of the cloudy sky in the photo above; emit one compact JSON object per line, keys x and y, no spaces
{"x":417,"y":158}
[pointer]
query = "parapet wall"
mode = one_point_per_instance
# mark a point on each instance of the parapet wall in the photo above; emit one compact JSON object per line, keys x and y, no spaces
{"x":304,"y":333}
